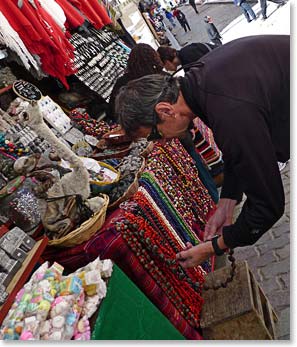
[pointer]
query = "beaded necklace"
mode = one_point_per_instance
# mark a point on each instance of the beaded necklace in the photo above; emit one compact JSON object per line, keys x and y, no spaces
{"x":168,"y":209}
{"x":176,"y":173}
{"x":158,"y":257}
{"x":159,"y":213}
{"x":152,"y":212}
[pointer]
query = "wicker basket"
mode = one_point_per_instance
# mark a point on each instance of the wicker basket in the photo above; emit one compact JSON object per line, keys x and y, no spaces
{"x":141,"y":167}
{"x":117,"y":154}
{"x":147,"y":150}
{"x":132,"y":189}
{"x":85,"y":231}
{"x":104,"y":187}
{"x":129,"y":192}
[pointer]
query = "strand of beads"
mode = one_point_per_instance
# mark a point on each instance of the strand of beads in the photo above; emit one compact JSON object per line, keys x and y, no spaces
{"x":147,"y":211}
{"x":89,"y":125}
{"x":206,"y":265}
{"x":147,"y":243}
{"x":172,"y":214}
{"x":176,"y":173}
{"x":128,"y":233}
{"x":159,"y":212}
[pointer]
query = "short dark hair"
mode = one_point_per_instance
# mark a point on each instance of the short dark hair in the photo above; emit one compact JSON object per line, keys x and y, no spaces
{"x":166,"y":53}
{"x":135,"y":103}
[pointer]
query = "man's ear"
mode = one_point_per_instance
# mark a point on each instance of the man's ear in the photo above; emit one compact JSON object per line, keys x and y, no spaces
{"x":164,"y":110}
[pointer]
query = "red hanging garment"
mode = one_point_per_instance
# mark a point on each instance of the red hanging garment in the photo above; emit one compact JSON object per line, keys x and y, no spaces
{"x":42,"y":36}
{"x":74,"y":18}
{"x":95,"y":12}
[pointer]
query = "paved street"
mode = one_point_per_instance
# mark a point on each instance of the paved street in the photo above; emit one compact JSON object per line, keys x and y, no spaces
{"x":269,"y":258}
{"x":222,"y":15}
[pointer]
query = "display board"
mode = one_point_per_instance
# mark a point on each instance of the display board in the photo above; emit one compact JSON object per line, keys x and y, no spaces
{"x":26,"y":90}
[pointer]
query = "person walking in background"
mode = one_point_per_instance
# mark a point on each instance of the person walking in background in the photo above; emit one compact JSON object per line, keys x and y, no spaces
{"x":263,"y":4}
{"x":170,"y":17}
{"x":212,"y":31}
{"x":246,"y":9}
{"x":192,"y":3}
{"x":172,"y":59}
{"x":181,"y":17}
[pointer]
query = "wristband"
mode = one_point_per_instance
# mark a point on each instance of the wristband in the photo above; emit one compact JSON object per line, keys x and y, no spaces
{"x":217,"y":249}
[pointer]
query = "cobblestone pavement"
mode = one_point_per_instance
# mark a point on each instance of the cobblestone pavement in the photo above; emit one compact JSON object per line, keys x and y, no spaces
{"x":269,"y":260}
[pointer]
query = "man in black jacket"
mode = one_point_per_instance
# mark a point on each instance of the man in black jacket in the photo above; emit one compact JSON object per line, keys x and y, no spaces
{"x":241,"y":91}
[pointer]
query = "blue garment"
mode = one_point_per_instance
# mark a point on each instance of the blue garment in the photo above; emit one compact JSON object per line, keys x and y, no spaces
{"x":246,"y":9}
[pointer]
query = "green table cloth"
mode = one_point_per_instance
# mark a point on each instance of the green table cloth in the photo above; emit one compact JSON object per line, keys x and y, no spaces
{"x":127,"y":314}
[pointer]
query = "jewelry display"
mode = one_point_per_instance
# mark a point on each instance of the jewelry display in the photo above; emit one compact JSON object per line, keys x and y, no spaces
{"x":100,"y":60}
{"x":157,"y":255}
{"x":180,"y":181}
{"x":19,"y":203}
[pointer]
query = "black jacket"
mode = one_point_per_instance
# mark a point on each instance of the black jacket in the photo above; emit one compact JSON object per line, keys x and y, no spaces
{"x":193,"y":52}
{"x":242,"y":92}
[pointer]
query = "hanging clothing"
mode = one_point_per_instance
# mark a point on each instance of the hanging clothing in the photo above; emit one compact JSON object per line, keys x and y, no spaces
{"x":73,"y":18}
{"x":95,"y":12}
{"x":42,"y":36}
{"x":55,"y":11}
{"x":11,"y":39}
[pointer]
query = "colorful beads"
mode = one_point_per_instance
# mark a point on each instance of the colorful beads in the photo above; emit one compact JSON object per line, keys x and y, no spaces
{"x":15,"y":150}
{"x":89,"y":125}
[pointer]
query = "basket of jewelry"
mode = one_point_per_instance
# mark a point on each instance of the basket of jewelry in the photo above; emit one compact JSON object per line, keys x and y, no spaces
{"x":148,"y":147}
{"x":105,"y":179}
{"x":131,"y":168}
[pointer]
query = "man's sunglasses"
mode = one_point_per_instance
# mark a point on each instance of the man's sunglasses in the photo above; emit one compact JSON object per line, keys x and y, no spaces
{"x":155,"y":135}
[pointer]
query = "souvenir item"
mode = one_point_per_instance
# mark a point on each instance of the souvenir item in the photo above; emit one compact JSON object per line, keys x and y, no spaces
{"x":26,"y":90}
{"x":56,"y":307}
{"x":54,"y":115}
{"x":19,"y":203}
{"x":100,"y":60}
{"x":82,"y":148}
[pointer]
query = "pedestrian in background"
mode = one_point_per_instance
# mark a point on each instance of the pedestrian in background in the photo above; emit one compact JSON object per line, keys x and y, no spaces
{"x":212,"y":31}
{"x":170,"y":17}
{"x":192,"y":3}
{"x":181,"y":17}
{"x":263,"y":4}
{"x":246,"y":9}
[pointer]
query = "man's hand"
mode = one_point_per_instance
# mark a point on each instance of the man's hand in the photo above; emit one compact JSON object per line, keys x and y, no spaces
{"x":194,"y":255}
{"x":222,"y":217}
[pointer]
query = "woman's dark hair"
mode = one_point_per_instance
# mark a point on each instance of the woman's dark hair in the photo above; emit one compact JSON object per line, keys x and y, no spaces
{"x":143,"y":60}
{"x":166,"y":53}
{"x":135,"y":103}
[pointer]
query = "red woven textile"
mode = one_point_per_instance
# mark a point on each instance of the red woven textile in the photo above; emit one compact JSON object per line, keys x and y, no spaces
{"x":108,"y":244}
